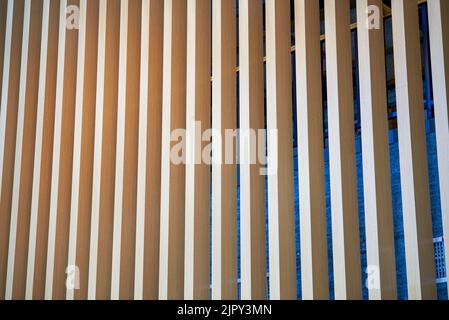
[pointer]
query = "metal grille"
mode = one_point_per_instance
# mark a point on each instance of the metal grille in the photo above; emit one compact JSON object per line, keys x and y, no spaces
{"x":440,"y":264}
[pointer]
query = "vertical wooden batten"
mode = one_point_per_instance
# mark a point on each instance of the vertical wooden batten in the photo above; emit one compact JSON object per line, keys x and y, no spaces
{"x":412,"y":152}
{"x":8,"y":126}
{"x":17,"y":149}
{"x":314,"y":270}
{"x":439,"y":48}
{"x":376,"y":157}
{"x":120,"y":151}
{"x":153,"y":161}
{"x":100,"y":257}
{"x":61,"y":184}
{"x":40,"y":204}
{"x":126,"y":165}
{"x":171,"y":255}
{"x":340,"y":97}
{"x":38,"y":144}
{"x":149,"y":157}
{"x":281,"y":229}
{"x":197,"y":223}
{"x":87,"y":150}
{"x":23,"y":169}
{"x":224,"y":175}
{"x":76,"y":165}
{"x":252,"y":192}
{"x":142,"y":151}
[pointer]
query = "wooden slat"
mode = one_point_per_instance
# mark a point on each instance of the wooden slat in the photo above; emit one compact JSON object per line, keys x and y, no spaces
{"x":120,"y":151}
{"x":59,"y":226}
{"x":126,"y":181}
{"x":252,"y":191}
{"x":100,"y":258}
{"x":76,"y":164}
{"x":224,"y":175}
{"x":32,"y":241}
{"x":23,"y":175}
{"x":17,"y":149}
{"x":8,"y":126}
{"x":345,"y":221}
{"x":87,"y":150}
{"x":376,"y":158}
{"x":281,"y":223}
{"x":439,"y":47}
{"x":171,"y":267}
{"x":314,"y":270}
{"x":153,"y":162}
{"x":197,"y":228}
{"x":40,"y":207}
{"x":412,"y":152}
{"x":142,"y":153}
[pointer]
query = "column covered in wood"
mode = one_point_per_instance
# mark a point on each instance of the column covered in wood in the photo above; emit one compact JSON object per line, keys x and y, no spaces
{"x":376,"y":157}
{"x":103,"y":184}
{"x":24,"y":151}
{"x":252,"y":179}
{"x":87,"y":149}
{"x":340,"y":97}
{"x":123,"y":256}
{"x":8,"y":125}
{"x":43,"y":153}
{"x":281,"y":223}
{"x":149,"y":160}
{"x":412,"y":152}
{"x":310,"y":151}
{"x":224,"y":169}
{"x":171,"y":263}
{"x":61,"y":182}
{"x":439,"y":47}
{"x":198,"y":114}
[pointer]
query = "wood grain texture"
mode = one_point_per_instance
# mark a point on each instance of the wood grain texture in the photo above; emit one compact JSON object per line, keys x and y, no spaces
{"x":25,"y":184}
{"x":224,"y":169}
{"x":376,"y":157}
{"x":252,"y":192}
{"x":9,"y":114}
{"x":314,"y":269}
{"x":107,"y":183}
{"x":42,"y":198}
{"x":87,"y":149}
{"x":197,"y":223}
{"x":171,"y":261}
{"x":439,"y":46}
{"x":154,"y":135}
{"x":417,"y":215}
{"x":340,"y":97}
{"x":281,"y":225}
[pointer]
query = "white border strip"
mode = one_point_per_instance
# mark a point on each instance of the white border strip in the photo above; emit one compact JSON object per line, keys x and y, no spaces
{"x":96,"y":185}
{"x":56,"y":153}
{"x":78,"y":134}
{"x":18,"y":155}
{"x":120,"y":155}
{"x":38,"y":151}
